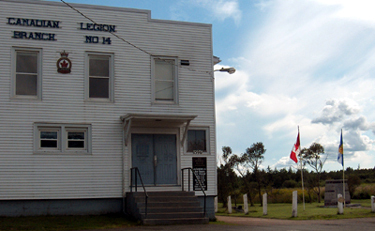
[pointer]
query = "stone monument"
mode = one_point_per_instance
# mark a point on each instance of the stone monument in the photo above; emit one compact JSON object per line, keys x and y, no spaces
{"x":334,"y":187}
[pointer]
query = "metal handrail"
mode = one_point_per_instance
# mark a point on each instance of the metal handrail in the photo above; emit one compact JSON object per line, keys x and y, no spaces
{"x":136,"y":185}
{"x":199,"y":182}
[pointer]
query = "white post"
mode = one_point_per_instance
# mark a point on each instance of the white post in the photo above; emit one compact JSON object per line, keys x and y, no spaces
{"x":216,"y":205}
{"x":245,"y":204}
{"x":373,"y":204}
{"x":229,"y":205}
{"x":340,"y":204}
{"x":303,"y":188}
{"x":265,"y":204}
{"x":294,"y":204}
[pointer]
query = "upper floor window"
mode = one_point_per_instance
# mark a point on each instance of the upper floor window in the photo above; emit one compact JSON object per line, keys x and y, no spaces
{"x":164,"y":79}
{"x":99,"y":80}
{"x":26,"y":77}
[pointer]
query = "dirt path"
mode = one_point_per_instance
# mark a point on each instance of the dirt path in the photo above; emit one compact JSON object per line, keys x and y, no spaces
{"x":262,"y":224}
{"x":361,"y":224}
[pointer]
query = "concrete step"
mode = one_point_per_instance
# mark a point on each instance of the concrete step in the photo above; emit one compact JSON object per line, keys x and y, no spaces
{"x":168,"y":194}
{"x":166,"y":199}
{"x":165,"y":208}
{"x":171,"y":210}
{"x":169,"y":204}
{"x":172,"y":215}
{"x":175,"y":221}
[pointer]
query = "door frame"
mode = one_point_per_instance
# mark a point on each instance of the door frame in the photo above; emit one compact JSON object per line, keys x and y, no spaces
{"x":161,"y":131}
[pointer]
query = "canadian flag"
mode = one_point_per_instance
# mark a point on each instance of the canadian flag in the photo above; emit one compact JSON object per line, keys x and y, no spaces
{"x":296,"y":150}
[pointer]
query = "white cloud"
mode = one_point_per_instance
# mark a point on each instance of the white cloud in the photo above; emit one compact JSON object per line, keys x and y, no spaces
{"x":218,"y":9}
{"x":284,"y":162}
{"x":361,"y":10}
{"x":336,"y":111}
{"x":222,"y":9}
{"x":309,"y":62}
{"x":263,"y":4}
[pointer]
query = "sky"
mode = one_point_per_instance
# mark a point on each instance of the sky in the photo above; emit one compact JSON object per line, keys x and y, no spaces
{"x":300,"y":63}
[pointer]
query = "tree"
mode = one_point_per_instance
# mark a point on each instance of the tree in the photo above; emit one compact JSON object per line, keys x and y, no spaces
{"x":226,"y":177}
{"x":353,"y":182}
{"x":312,"y":157}
{"x":251,"y":159}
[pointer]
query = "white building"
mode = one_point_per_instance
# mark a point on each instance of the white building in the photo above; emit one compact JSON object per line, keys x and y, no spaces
{"x":85,"y":99}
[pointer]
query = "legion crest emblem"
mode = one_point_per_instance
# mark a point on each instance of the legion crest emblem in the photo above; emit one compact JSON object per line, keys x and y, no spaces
{"x":64,"y":65}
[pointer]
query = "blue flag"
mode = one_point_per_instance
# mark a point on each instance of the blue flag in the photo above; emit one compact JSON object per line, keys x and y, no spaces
{"x":340,"y":157}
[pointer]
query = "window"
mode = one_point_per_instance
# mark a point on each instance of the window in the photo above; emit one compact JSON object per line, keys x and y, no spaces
{"x":49,"y":138}
{"x":26,"y":73}
{"x":197,"y":141}
{"x":164,"y":79}
{"x":76,"y":138}
{"x":57,"y":138}
{"x":99,"y":83}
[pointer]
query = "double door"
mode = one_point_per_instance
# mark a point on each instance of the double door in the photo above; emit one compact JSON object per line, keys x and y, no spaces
{"x":155,"y":155}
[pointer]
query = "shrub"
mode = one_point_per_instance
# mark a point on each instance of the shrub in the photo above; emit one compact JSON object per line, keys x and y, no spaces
{"x":290,"y":184}
{"x":364,"y":191}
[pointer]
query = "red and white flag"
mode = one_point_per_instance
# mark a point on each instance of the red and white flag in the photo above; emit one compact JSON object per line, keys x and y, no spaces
{"x":296,"y":150}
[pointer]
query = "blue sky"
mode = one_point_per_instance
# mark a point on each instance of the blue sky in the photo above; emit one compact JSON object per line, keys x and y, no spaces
{"x":306,"y":63}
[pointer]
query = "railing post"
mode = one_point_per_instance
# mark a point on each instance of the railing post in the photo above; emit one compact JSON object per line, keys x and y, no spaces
{"x":199,"y":182}
{"x":204,"y":205}
{"x":136,"y":183}
{"x":146,"y":206}
{"x":136,"y":171}
{"x":131,"y":180}
{"x":189,"y":181}
{"x":182,"y":180}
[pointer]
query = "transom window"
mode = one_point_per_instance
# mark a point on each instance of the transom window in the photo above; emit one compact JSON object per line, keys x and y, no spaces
{"x":164,"y":79}
{"x":197,"y":141}
{"x":61,"y":138}
{"x":26,"y":73}
{"x":99,"y":77}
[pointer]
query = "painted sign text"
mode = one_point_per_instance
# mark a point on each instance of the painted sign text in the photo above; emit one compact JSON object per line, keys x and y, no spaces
{"x":98,"y":27}
{"x":33,"y":22}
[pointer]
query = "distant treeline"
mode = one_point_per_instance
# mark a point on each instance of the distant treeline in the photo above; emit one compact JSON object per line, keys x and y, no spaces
{"x":230,"y":183}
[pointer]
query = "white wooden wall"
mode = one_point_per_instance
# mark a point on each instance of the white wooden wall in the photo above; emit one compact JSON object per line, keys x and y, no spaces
{"x":24,"y":175}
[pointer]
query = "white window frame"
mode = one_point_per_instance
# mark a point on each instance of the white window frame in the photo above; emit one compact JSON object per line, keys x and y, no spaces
{"x":175,"y":83}
{"x":62,"y":138}
{"x":111,"y":77}
{"x":76,"y":129}
{"x":207,"y":133}
{"x":38,"y":51}
{"x":48,"y":129}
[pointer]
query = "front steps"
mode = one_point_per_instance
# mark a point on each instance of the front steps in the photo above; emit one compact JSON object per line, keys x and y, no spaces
{"x":165,"y":208}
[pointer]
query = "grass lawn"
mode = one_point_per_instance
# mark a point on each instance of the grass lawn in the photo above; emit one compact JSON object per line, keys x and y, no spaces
{"x":314,"y":211}
{"x":64,"y":223}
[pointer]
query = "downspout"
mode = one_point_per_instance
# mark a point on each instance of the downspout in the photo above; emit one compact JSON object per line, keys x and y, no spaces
{"x":124,"y":146}
{"x":123,"y":170}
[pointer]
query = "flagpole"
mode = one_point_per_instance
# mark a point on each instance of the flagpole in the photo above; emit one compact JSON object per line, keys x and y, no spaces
{"x":293,"y":155}
{"x":303,"y":188}
{"x":343,"y":171}
{"x":343,"y":182}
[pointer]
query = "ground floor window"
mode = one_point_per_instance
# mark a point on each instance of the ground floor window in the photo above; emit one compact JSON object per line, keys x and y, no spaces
{"x":62,"y":138}
{"x":197,"y":141}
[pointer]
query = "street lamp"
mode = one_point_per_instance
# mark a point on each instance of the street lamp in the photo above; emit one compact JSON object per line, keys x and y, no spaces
{"x":230,"y":70}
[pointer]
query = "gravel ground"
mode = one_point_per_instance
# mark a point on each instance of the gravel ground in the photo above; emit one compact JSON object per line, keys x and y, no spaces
{"x":261,"y":224}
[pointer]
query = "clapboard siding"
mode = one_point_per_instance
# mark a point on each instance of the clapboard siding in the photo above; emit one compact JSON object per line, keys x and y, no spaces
{"x":26,"y":175}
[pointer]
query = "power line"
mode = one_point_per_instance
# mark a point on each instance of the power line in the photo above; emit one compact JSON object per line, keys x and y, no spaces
{"x":131,"y":44}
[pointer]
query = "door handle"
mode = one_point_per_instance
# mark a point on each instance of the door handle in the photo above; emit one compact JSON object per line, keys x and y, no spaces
{"x":155,"y":160}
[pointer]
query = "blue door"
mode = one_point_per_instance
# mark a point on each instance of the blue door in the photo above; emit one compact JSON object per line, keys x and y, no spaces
{"x":155,"y":155}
